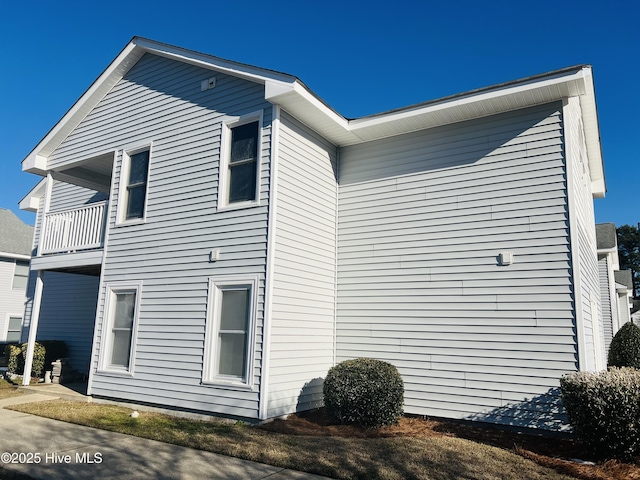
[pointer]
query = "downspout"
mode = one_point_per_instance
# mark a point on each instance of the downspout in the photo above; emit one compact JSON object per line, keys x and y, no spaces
{"x":263,"y":397}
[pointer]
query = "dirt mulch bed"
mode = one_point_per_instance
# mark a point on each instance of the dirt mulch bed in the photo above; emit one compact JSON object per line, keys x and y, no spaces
{"x":559,"y":452}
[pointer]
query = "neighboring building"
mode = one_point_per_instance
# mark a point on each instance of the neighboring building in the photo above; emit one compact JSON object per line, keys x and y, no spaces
{"x":16,"y":239}
{"x":242,"y":237}
{"x":616,"y":286}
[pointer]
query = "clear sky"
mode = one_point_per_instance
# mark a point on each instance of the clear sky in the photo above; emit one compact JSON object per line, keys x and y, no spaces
{"x":361,"y":57}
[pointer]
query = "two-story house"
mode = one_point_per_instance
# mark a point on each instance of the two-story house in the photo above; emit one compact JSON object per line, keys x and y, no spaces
{"x":226,"y":237}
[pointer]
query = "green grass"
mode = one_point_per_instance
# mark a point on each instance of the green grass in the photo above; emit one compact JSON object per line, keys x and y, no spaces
{"x":338,"y":457}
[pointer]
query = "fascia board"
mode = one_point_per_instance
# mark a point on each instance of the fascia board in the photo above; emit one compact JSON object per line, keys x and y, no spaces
{"x":16,"y":256}
{"x":36,"y":160}
{"x":31,"y":200}
{"x":592,"y":135}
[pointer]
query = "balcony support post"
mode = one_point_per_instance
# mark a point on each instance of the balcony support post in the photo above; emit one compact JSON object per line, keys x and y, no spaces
{"x":33,"y":328}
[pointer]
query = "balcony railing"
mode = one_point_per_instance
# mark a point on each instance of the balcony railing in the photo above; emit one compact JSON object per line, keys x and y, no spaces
{"x":72,"y":230}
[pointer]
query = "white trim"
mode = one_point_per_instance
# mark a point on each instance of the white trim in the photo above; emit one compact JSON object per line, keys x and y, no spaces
{"x":123,"y":180}
{"x":106,"y":344}
{"x":15,"y":256}
{"x":33,"y":327}
{"x":228,"y":124}
{"x":45,"y":209}
{"x":8,"y":317}
{"x":101,"y":295}
{"x":211,"y":354}
{"x":573,"y":239}
{"x":270,"y":274}
{"x":31,"y":201}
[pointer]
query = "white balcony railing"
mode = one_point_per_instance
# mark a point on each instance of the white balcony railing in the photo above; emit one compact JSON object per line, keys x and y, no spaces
{"x":71,"y":230}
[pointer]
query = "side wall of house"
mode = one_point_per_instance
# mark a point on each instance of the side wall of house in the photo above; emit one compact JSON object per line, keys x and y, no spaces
{"x":303,"y":313}
{"x":160,"y":102}
{"x":609,"y":300}
{"x":583,"y":240}
{"x":11,"y":300}
{"x":423,"y":218}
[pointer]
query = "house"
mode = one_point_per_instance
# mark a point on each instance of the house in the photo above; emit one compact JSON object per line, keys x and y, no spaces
{"x":616,"y":286}
{"x":15,"y":253}
{"x":227,"y":237}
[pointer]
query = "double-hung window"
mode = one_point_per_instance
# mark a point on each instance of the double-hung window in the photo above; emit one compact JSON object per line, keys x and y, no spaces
{"x":134,"y":175}
{"x":230,"y":326}
{"x":240,"y":162}
{"x":20,"y":275}
{"x":120,"y":327}
{"x":14,"y":330}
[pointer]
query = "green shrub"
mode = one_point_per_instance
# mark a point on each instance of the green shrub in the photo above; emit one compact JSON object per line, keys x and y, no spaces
{"x":365,"y":392}
{"x":624,"y":350}
{"x":12,"y":353}
{"x":55,"y":349}
{"x":604,"y":410}
{"x":16,"y":355}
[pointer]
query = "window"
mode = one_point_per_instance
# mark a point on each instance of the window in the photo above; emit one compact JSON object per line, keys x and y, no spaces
{"x":14,"y":330}
{"x":240,"y":163}
{"x":20,"y":275}
{"x":230,"y":325}
{"x":133,"y":185}
{"x":121,"y":319}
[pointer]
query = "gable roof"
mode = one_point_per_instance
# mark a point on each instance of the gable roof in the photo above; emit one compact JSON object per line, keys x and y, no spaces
{"x":624,"y":277}
{"x":606,"y":238}
{"x":297,"y":99}
{"x":16,"y":237}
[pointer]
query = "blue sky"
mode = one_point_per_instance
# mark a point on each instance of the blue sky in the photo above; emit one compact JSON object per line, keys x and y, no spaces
{"x":360,"y":57}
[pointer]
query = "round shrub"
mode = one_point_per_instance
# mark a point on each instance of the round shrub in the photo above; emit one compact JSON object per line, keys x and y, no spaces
{"x":604,"y":410}
{"x":624,"y":350}
{"x":365,"y":392}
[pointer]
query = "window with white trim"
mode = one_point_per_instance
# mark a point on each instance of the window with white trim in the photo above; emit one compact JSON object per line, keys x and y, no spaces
{"x":230,"y":330}
{"x":134,"y":174}
{"x":120,"y":327}
{"x":20,"y":275}
{"x":14,"y":330}
{"x":240,"y":162}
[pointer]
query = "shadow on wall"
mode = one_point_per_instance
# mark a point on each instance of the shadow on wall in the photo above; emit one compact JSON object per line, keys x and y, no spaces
{"x":310,"y":395}
{"x":544,"y":411}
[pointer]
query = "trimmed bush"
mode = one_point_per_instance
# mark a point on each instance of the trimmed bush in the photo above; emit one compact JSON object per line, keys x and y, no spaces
{"x":16,"y":355}
{"x":13,"y":356}
{"x":604,"y":410}
{"x":624,"y":350}
{"x":365,"y":392}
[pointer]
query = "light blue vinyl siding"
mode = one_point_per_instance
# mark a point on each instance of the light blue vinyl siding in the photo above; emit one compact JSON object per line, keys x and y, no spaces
{"x":422,"y":219}
{"x":160,"y":101}
{"x":302,"y":326}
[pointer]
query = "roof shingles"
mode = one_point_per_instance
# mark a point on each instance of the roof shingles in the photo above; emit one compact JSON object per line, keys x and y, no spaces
{"x":15,"y":235}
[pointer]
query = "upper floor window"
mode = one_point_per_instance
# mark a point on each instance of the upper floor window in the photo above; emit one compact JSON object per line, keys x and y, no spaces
{"x":240,"y":163}
{"x":133,"y":185}
{"x":14,"y":330}
{"x":20,"y":275}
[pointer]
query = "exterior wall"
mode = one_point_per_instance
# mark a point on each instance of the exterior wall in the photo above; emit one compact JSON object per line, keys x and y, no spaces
{"x":422,"y":220}
{"x":11,"y":300}
{"x":303,"y":312}
{"x":609,"y":301}
{"x":160,"y":101}
{"x":624,"y":311}
{"x":583,"y":241}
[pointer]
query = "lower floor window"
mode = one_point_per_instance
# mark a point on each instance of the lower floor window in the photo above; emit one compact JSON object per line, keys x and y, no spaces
{"x":230,"y":325}
{"x":121,"y":318}
{"x":14,"y":330}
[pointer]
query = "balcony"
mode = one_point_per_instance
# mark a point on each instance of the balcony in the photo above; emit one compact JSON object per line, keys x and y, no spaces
{"x":72,"y":239}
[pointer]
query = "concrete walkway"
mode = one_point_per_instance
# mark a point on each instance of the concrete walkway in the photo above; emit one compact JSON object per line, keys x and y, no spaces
{"x":67,"y":452}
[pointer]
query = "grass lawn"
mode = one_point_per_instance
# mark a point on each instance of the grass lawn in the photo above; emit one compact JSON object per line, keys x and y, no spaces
{"x":346,"y":457}
{"x":8,"y":389}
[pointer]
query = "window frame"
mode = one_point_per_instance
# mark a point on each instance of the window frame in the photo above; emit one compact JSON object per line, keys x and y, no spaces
{"x":15,"y":270}
{"x":106,"y":347}
{"x":6,"y":333}
{"x":123,"y":187}
{"x":225,"y":156}
{"x":211,"y":359}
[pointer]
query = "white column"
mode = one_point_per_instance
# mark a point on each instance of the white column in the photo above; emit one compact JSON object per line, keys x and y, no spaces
{"x":33,"y":328}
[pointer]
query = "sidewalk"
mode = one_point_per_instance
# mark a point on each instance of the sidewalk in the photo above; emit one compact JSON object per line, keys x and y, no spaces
{"x":99,"y":454}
